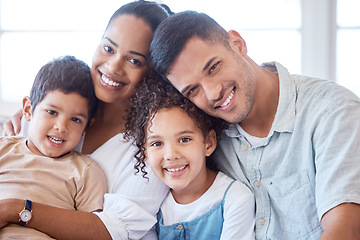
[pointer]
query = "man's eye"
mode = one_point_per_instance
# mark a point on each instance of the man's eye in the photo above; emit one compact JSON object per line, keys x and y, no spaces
{"x":213,"y":67}
{"x":191,"y":92}
{"x":77,"y":120}
{"x":185,"y":140}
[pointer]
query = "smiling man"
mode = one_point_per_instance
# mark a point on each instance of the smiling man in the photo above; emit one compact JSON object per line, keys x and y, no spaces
{"x":294,"y":140}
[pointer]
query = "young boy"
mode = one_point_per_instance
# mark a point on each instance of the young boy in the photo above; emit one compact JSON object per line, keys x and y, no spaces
{"x":175,"y":138}
{"x":43,"y":167}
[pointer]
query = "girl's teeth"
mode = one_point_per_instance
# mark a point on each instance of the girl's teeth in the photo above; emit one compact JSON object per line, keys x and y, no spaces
{"x":109,"y":82}
{"x":176,"y":169}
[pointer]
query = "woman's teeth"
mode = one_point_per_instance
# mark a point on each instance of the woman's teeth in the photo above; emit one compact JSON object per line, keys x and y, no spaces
{"x":228,"y":99}
{"x":176,"y":169}
{"x":109,"y":82}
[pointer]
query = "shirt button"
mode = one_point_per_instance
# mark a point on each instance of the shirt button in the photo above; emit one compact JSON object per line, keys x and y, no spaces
{"x":257,"y":184}
{"x":180,"y":227}
{"x":262,"y":221}
{"x":245,"y":147}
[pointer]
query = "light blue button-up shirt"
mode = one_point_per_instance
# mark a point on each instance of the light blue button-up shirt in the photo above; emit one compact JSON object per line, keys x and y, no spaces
{"x":308,"y":163}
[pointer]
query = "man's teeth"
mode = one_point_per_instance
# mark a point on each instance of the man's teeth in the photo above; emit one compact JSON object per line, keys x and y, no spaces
{"x":228,"y":99}
{"x":176,"y":169}
{"x":56,"y":140}
{"x":109,"y":82}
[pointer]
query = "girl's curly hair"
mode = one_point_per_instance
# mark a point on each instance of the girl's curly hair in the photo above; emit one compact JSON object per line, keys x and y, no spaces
{"x":152,"y":95}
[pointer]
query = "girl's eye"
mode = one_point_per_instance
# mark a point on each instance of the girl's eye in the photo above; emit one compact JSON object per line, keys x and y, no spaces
{"x":185,"y":140}
{"x":77,"y":120}
{"x":51,"y":112}
{"x":108,"y":49}
{"x":136,"y":62}
{"x":155,"y":144}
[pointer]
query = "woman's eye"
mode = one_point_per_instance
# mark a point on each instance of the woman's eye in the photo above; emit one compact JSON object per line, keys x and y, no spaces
{"x":135,"y":61}
{"x":108,"y":49}
{"x":185,"y":140}
{"x":77,"y":120}
{"x":51,"y":112}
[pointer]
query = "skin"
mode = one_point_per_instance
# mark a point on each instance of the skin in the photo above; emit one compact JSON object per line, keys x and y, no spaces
{"x":176,"y":150}
{"x":56,"y":124}
{"x":227,"y":84}
{"x":125,"y":40}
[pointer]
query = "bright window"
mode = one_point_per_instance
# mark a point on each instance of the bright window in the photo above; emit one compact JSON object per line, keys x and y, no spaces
{"x":296,"y":33}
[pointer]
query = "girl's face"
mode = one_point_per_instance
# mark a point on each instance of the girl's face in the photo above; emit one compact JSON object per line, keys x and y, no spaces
{"x":176,"y":149}
{"x":121,"y":60}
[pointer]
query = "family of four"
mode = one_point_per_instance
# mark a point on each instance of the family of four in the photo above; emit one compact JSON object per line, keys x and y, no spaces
{"x":191,"y":140}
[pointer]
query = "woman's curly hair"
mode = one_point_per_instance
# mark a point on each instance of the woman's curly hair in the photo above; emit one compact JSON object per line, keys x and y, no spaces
{"x":152,"y":95}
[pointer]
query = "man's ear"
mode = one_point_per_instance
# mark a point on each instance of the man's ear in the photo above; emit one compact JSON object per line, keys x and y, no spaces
{"x":210,"y":142}
{"x":237,"y":43}
{"x":27,"y":108}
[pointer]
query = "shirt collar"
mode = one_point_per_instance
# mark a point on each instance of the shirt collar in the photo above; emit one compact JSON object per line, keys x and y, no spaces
{"x":285,"y":114}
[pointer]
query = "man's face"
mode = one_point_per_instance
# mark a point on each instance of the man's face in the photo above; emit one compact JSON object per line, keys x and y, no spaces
{"x":219,"y":80}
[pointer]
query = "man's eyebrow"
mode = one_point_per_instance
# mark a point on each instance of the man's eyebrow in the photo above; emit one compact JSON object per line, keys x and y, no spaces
{"x":208,"y":63}
{"x":184,"y":90}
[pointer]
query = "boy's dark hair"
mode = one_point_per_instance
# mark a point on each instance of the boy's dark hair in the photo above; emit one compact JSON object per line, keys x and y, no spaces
{"x":151,"y":12}
{"x":68,"y":75}
{"x":174,"y":32}
{"x":152,"y":95}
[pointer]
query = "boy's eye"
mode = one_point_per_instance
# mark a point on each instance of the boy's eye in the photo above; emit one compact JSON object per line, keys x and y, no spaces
{"x":184,"y":140}
{"x":77,"y":120}
{"x":192,"y":92}
{"x":51,"y":112}
{"x":108,"y":49}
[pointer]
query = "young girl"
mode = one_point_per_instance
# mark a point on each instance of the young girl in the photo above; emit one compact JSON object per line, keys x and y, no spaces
{"x":175,"y":138}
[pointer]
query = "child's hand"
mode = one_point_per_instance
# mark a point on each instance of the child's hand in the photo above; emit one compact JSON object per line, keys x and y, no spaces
{"x":13,"y":126}
{"x":9,"y":210}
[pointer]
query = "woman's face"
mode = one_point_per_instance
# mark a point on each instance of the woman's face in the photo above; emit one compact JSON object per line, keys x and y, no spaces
{"x":121,"y":60}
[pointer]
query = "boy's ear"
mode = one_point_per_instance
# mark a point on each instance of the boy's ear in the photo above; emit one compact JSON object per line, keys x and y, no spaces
{"x":27,"y":108}
{"x":237,"y":43}
{"x":91,"y":122}
{"x":210,"y":142}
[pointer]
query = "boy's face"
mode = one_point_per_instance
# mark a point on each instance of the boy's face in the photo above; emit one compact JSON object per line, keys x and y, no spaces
{"x":57,"y":123}
{"x":176,"y":149}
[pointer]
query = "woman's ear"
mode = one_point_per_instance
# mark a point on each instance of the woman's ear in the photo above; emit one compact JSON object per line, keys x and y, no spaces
{"x":237,"y":43}
{"x":27,"y":108}
{"x":210,"y":142}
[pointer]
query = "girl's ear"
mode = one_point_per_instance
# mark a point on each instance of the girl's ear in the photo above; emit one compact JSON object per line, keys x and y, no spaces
{"x":210,"y":142}
{"x":237,"y":43}
{"x":27,"y":108}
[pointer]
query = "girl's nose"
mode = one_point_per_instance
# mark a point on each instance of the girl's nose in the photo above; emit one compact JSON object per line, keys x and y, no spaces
{"x":171,"y":153}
